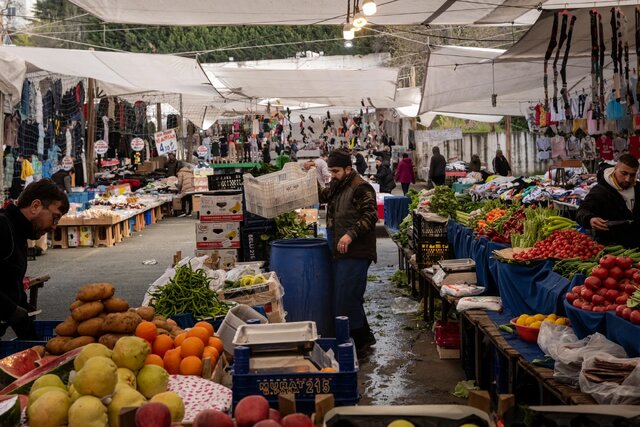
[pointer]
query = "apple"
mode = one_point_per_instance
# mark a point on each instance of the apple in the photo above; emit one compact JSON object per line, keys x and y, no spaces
{"x":153,"y":414}
{"x":250,"y":410}
{"x":296,"y":420}
{"x":212,"y":418}
{"x":274,"y":414}
{"x":267,"y":423}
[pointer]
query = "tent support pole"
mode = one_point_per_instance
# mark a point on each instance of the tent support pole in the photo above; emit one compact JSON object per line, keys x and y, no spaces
{"x":91,"y":133}
{"x":507,"y":132}
{"x":2,"y":152}
{"x":158,"y":117}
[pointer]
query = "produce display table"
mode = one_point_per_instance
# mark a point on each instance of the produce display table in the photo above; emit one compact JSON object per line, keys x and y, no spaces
{"x":430,"y":291}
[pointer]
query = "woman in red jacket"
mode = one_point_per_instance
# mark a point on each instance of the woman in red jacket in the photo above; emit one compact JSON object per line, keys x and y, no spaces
{"x":404,"y":173}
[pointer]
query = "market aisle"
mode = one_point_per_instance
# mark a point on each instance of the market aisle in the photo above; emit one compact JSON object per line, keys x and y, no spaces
{"x":404,"y":368}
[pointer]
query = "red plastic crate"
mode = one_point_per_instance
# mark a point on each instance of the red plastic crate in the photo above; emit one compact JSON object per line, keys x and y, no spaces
{"x":447,"y":334}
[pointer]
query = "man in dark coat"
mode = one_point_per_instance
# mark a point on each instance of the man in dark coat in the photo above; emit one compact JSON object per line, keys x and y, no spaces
{"x":614,"y":198}
{"x":384,"y":176}
{"x":501,"y":164}
{"x":437,"y":167}
{"x":351,"y":231}
{"x":39,"y":208}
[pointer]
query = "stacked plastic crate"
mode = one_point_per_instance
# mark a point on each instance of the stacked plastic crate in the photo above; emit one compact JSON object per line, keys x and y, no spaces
{"x":430,"y":242}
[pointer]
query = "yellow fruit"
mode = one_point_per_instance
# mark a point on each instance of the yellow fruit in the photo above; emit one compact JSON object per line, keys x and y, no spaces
{"x":562,"y":321}
{"x":535,"y":324}
{"x":522,"y":320}
{"x":530,"y":321}
{"x":549,"y":320}
{"x":539,"y":317}
{"x":552,"y":316}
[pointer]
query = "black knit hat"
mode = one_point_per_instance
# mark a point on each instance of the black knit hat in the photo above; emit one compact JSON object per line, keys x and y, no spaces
{"x":339,"y":158}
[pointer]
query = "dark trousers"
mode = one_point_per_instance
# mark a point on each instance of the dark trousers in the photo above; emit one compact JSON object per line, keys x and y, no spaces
{"x":350,"y":283}
{"x":187,"y":203}
{"x":405,"y":187}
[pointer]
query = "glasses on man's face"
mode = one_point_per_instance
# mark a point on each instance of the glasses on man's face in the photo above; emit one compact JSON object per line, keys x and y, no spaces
{"x":55,"y":216}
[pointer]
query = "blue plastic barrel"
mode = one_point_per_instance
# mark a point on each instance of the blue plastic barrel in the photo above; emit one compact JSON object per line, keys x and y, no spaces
{"x":304,"y":269}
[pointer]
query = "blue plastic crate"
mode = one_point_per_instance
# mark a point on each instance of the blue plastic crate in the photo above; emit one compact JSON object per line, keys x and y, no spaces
{"x":304,"y":385}
{"x":132,"y":224}
{"x":186,"y":320}
{"x":44,"y":330}
{"x":147,"y":217}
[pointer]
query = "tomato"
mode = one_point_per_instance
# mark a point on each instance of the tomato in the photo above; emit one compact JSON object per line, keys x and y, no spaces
{"x":616,"y":272}
{"x":635,"y":317}
{"x":610,"y":283}
{"x":598,"y":300}
{"x":576,"y":289}
{"x":593,"y":282}
{"x":602,"y":292}
{"x":586,"y":294}
{"x":578,"y":303}
{"x":599,"y":309}
{"x":619,"y":310}
{"x":622,"y":299}
{"x":626,"y":312}
{"x":630,"y":289}
{"x":571,"y":297}
{"x":624,"y":262}
{"x":636,"y":277}
{"x":611,"y":295}
{"x":630,"y":272}
{"x":587,"y":307}
{"x":601,"y":273}
{"x":608,"y":262}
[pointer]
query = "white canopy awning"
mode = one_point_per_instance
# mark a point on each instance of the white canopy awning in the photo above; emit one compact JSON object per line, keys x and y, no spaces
{"x":12,"y":70}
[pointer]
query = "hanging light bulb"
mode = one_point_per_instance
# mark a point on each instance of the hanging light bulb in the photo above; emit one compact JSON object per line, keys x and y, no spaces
{"x":359,"y":20}
{"x":347,"y":32}
{"x":355,"y":29}
{"x":369,"y":7}
{"x":348,"y":43}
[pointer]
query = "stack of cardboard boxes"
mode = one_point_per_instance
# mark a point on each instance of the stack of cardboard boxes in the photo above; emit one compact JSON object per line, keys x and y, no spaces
{"x":218,"y":232}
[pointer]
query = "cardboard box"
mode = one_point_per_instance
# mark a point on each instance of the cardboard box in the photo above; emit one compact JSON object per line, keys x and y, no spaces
{"x":195,"y":202}
{"x":73,"y":237}
{"x":221,"y":207}
{"x":226,"y":258}
{"x":145,"y":167}
{"x":481,"y":399}
{"x":310,"y":215}
{"x":86,"y":236}
{"x":176,"y":203}
{"x":202,"y":172}
{"x":158,"y":162}
{"x":215,"y":235}
{"x":201,"y":183}
{"x":448,"y":353}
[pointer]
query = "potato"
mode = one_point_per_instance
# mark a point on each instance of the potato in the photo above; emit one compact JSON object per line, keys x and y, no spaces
{"x":87,"y":311}
{"x":163,"y":332}
{"x":115,"y":305}
{"x":68,"y":328}
{"x":91,"y":327}
{"x":56,"y":345}
{"x":109,"y":340}
{"x":77,"y":303}
{"x":77,"y":342}
{"x":40,"y":349}
{"x":96,"y":292}
{"x":122,"y":323}
{"x":146,"y":313}
{"x":161,"y":324}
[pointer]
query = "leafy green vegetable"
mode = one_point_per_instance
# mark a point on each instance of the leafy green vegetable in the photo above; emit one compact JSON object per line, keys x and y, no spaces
{"x":444,"y":202}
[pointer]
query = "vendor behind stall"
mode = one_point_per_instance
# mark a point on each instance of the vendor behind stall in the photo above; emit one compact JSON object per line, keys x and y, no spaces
{"x":186,"y":188}
{"x":611,"y":208}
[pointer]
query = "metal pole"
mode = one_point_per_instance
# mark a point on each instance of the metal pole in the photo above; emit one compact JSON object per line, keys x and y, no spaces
{"x":507,"y":132}
{"x":2,"y":152}
{"x":91,"y":131}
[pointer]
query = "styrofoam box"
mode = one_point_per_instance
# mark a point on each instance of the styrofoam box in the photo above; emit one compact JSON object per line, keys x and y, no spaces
{"x":236,"y":317}
{"x":86,"y":236}
{"x":73,"y":236}
{"x":227,"y":257}
{"x":215,"y":235}
{"x":227,"y":207}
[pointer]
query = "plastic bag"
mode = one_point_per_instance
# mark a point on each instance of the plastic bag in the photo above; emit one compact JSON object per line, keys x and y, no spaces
{"x":403,"y":305}
{"x":483,"y":303}
{"x":461,"y":289}
{"x":552,"y":336}
{"x":611,"y":393}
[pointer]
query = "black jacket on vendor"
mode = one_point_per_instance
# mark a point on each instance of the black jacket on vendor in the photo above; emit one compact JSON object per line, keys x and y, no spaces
{"x":604,"y":201}
{"x":15,"y":229}
{"x":352,"y":209}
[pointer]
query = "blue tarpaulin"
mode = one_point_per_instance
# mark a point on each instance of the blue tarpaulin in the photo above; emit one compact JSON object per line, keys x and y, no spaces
{"x":396,"y":208}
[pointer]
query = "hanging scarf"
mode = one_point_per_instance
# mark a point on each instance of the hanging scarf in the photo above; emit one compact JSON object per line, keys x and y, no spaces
{"x":563,"y":37}
{"x":563,"y":71}
{"x":594,"y":63}
{"x":601,"y":67}
{"x":614,"y":53}
{"x":552,"y":45}
{"x":638,"y":52}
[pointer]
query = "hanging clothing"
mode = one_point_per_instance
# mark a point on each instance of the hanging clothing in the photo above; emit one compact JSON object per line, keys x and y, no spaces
{"x":27,"y":171}
{"x":634,"y":146}
{"x":543,"y":144}
{"x":9,"y":166}
{"x":573,"y":147}
{"x":615,"y":110}
{"x":11,"y":125}
{"x":587,"y":144}
{"x":620,"y":146}
{"x":558,"y":148}
{"x":37,"y":168}
{"x":604,"y":146}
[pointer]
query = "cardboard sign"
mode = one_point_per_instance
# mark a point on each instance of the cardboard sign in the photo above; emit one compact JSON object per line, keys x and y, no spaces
{"x":166,"y":142}
{"x":101,"y":147}
{"x":137,"y":144}
{"x":202,"y":151}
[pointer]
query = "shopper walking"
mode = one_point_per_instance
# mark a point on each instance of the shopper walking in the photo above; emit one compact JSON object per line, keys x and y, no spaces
{"x":39,"y":208}
{"x":186,"y":188}
{"x":404,"y":173}
{"x":437,"y":167}
{"x":351,"y":222}
{"x":384,"y":176}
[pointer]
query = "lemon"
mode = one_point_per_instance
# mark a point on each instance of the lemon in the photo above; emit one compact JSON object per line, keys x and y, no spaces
{"x":535,"y":324}
{"x":539,"y":317}
{"x":400,"y":423}
{"x":552,"y":316}
{"x":562,"y":321}
{"x":530,"y":320}
{"x":522,"y":320}
{"x":549,"y":320}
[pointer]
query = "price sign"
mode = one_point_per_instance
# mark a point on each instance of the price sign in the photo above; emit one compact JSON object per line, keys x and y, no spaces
{"x":166,"y":141}
{"x":137,"y":144}
{"x":101,"y":147}
{"x":67,"y":163}
{"x":202,"y":151}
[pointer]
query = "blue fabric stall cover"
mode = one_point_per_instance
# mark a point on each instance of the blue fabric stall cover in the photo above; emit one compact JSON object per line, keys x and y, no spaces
{"x":460,"y":238}
{"x":304,"y":269}
{"x":486,"y":268}
{"x":585,"y":322}
{"x":624,"y":333}
{"x":530,"y":351}
{"x":531,"y":289}
{"x":396,"y":208}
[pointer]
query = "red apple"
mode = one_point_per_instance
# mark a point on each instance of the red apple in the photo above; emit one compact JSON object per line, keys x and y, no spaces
{"x":153,"y":414}
{"x":212,"y":418}
{"x":250,"y":410}
{"x":296,"y":420}
{"x":274,"y":414}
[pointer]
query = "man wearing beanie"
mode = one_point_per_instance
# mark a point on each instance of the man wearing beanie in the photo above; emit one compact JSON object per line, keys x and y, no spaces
{"x":352,"y":213}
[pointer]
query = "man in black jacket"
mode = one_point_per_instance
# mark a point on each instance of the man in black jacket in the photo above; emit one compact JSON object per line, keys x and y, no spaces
{"x":437,"y":167}
{"x":384,"y":176}
{"x":39,"y":208}
{"x":614,"y":198}
{"x":352,"y":213}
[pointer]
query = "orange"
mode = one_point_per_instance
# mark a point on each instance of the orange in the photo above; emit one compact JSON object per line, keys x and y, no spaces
{"x":147,"y":331}
{"x":172,"y":361}
{"x":199,"y":332}
{"x":177,"y":341}
{"x":208,"y":326}
{"x":154,"y":359}
{"x":217,"y":343}
{"x":327,"y":370}
{"x":211,"y":352}
{"x":191,"y":365}
{"x":162,"y":344}
{"x":191,"y":346}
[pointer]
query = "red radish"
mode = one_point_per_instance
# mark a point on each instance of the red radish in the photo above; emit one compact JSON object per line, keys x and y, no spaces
{"x":611,"y":295}
{"x":576,"y":289}
{"x":600,"y":273}
{"x":602,"y":291}
{"x":587,"y":307}
{"x":608,"y":262}
{"x":619,"y":310}
{"x":626,"y":313}
{"x":612,"y":307}
{"x":267,"y":423}
{"x":610,"y":283}
{"x":635,"y":317}
{"x":296,"y":420}
{"x":624,"y":262}
{"x":616,"y":272}
{"x":274,"y":414}
{"x":593,"y":283}
{"x":636,"y":277}
{"x":599,"y":309}
{"x":577,"y":303}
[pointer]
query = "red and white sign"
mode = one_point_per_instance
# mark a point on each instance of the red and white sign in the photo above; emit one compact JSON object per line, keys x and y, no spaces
{"x":101,"y":147}
{"x":202,"y":151}
{"x":166,"y":141}
{"x":137,"y":144}
{"x":67,"y":163}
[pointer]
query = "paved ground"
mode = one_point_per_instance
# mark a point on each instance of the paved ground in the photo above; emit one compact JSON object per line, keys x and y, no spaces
{"x":403,"y":368}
